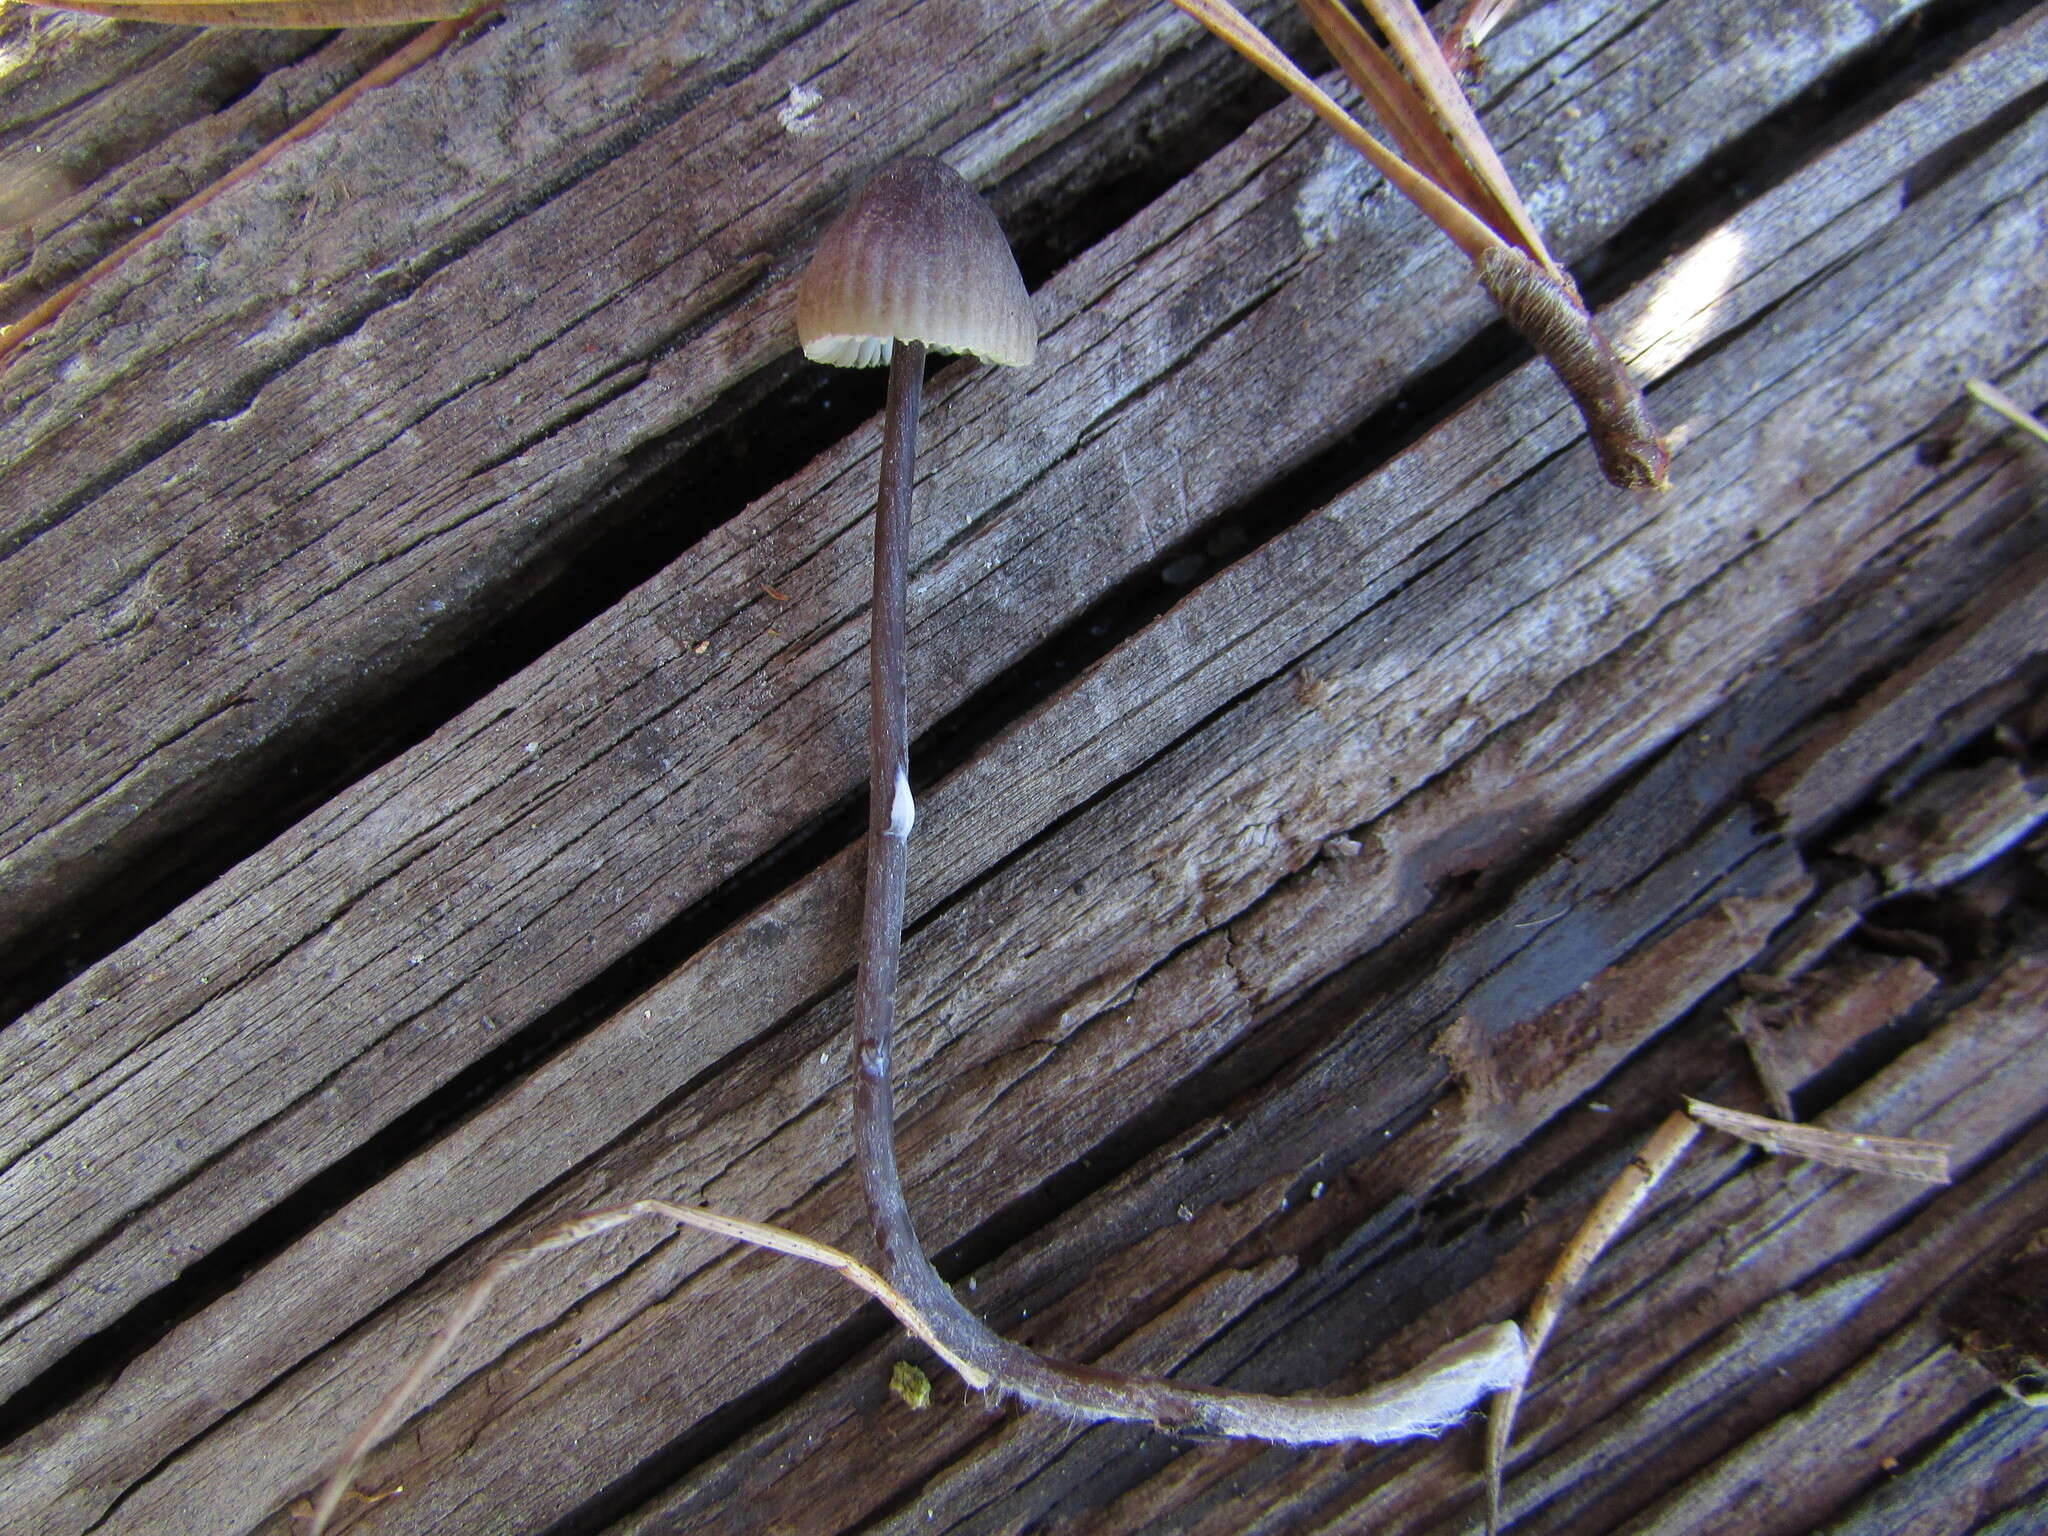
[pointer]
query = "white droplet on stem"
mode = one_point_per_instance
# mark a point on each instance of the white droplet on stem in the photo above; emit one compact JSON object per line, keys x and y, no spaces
{"x":903,"y":811}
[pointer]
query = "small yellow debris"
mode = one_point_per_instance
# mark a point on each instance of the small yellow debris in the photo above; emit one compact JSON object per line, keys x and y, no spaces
{"x":912,"y":1385}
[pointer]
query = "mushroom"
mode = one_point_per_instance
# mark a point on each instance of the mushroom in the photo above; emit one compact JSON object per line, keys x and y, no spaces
{"x":918,"y":258}
{"x":916,"y":263}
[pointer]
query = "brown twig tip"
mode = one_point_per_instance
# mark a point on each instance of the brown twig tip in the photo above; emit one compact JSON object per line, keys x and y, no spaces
{"x":1553,"y":319}
{"x":1448,"y":168}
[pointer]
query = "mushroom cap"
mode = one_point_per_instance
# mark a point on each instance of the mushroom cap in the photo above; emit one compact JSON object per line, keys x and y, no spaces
{"x":917,"y":256}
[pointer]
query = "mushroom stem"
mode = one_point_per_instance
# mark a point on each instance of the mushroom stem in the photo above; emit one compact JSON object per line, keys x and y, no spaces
{"x":888,"y":838}
{"x":890,"y":813}
{"x":919,"y":252}
{"x":1423,"y":1402}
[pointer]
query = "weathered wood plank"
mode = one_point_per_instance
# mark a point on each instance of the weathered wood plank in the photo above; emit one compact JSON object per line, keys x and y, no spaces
{"x":182,"y":556}
{"x":365,"y":888}
{"x":751,"y":1105}
{"x":1783,"y":1332}
{"x":1906,"y":1391}
{"x":1990,"y":1476}
{"x":1730,"y":1277}
{"x":110,"y":126}
{"x":362,"y":417}
{"x":1914,"y":702}
{"x":580,"y":1413}
{"x":1741,"y":1268}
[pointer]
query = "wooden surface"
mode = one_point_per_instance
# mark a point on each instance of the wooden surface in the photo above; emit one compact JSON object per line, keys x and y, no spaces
{"x":432,"y":608}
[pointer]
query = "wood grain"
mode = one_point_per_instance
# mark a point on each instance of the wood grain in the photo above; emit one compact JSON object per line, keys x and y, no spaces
{"x":190,"y":487}
{"x":116,"y":126}
{"x":1264,"y":977}
{"x":368,"y":885}
{"x":368,"y":402}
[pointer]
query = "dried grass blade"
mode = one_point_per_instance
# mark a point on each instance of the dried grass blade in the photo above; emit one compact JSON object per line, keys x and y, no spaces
{"x":1466,"y":231}
{"x":1416,"y":47}
{"x":1899,"y":1156}
{"x":1406,"y":116}
{"x":1991,"y":397}
{"x":285,"y":15}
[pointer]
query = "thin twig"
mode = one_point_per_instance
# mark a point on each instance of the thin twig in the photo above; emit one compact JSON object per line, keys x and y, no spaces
{"x":1613,"y":1211}
{"x":1618,"y":1205}
{"x":1899,"y":1156}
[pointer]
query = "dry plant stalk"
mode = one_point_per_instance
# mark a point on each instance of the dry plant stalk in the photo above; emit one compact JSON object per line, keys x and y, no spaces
{"x":1992,"y":398}
{"x":1616,"y":1207}
{"x":1623,"y":1199}
{"x":1899,"y":1156}
{"x":1449,"y":169}
{"x":1428,"y":1399}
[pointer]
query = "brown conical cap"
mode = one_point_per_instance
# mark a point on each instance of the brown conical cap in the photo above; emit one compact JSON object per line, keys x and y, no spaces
{"x":917,"y":256}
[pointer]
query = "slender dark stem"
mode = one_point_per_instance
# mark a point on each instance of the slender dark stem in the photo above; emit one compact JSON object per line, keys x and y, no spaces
{"x":890,"y":815}
{"x":890,"y":812}
{"x":1426,"y":1400}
